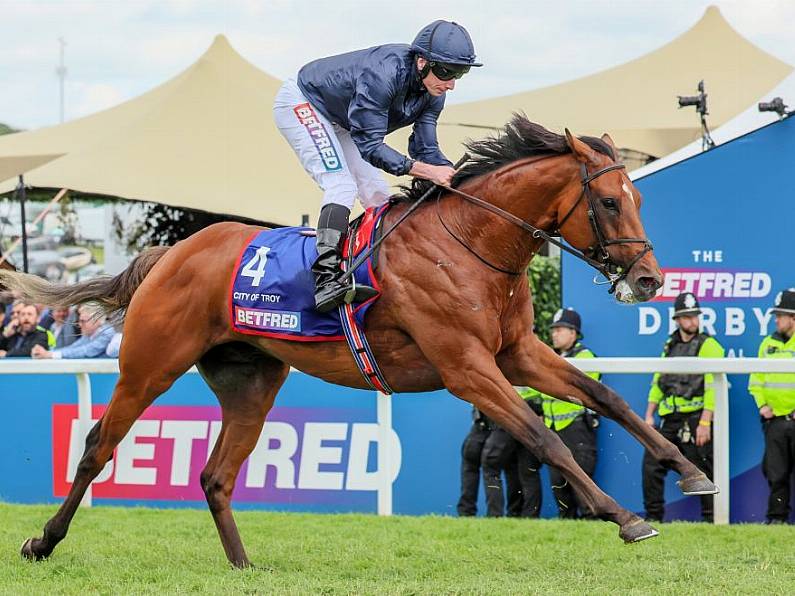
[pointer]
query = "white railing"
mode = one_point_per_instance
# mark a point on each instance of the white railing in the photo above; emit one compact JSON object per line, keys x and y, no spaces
{"x":719,"y":367}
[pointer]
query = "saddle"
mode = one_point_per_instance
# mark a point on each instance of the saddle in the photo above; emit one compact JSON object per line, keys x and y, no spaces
{"x":272,"y":289}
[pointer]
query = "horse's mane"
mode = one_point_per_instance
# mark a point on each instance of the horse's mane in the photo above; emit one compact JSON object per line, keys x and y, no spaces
{"x":519,"y":139}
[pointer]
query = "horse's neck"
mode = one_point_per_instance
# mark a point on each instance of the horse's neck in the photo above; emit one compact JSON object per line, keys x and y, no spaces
{"x":530,"y":190}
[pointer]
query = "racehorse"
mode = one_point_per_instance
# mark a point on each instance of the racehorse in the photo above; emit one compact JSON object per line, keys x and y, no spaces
{"x":455,"y":313}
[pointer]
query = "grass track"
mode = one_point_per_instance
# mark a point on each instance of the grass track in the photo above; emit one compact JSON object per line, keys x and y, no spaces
{"x":114,"y":550}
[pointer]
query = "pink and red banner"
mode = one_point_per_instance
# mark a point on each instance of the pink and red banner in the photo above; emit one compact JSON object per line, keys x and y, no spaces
{"x":304,"y":455}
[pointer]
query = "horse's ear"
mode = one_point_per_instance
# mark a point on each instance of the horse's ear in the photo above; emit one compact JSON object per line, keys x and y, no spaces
{"x":581,"y":150}
{"x":607,"y":139}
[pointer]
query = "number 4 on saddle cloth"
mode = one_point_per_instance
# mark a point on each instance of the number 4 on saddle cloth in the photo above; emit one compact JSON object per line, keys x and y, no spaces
{"x":272,"y":290}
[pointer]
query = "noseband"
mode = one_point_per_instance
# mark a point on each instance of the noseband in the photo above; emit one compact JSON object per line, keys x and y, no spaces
{"x":595,"y":255}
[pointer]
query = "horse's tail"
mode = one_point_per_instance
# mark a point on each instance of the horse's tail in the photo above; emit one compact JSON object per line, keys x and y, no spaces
{"x":111,"y":294}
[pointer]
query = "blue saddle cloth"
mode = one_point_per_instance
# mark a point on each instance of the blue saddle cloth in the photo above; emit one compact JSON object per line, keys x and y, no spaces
{"x":273,"y":287}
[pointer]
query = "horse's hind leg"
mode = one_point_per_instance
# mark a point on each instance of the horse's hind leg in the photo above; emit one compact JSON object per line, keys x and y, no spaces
{"x":145,"y":374}
{"x":246,"y":382}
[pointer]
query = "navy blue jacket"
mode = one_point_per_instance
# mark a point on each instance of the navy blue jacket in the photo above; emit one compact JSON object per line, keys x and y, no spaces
{"x":371,"y":93}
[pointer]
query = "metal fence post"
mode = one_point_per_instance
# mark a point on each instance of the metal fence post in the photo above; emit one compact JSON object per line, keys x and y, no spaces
{"x":384,"y":418}
{"x":84,"y":418}
{"x":720,"y":448}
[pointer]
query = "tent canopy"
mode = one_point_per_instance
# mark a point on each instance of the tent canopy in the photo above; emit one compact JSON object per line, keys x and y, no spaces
{"x":636,"y":102}
{"x":13,"y":166}
{"x":203,"y":140}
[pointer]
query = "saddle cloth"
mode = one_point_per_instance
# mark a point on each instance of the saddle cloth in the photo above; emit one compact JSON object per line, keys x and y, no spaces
{"x":272,"y":287}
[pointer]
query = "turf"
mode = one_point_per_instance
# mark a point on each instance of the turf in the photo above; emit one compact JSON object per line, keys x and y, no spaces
{"x":113,"y":550}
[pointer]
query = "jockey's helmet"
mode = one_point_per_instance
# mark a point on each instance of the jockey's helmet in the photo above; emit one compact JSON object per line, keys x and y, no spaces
{"x":445,"y":42}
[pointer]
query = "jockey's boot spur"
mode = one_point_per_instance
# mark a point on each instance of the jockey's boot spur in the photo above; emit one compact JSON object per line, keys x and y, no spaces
{"x":330,"y":293}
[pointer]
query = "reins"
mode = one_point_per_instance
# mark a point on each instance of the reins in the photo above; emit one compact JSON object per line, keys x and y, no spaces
{"x":595,"y":256}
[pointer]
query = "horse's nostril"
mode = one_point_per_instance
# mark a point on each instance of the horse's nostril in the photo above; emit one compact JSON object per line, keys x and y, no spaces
{"x":649,"y":283}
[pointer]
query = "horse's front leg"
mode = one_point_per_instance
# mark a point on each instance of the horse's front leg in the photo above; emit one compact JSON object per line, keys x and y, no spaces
{"x":479,"y":381}
{"x":532,"y":363}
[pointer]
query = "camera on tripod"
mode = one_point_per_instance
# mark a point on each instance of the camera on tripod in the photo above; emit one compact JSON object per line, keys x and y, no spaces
{"x":777,"y":105}
{"x":700,"y":100}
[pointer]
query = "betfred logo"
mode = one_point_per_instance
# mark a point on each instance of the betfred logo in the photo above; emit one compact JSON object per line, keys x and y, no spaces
{"x":304,"y":455}
{"x":711,"y":284}
{"x":319,"y":135}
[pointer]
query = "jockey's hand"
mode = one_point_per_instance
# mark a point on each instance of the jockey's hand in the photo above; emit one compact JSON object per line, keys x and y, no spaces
{"x":441,"y":175}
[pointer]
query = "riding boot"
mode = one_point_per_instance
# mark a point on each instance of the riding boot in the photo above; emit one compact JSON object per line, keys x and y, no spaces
{"x":329,"y":292}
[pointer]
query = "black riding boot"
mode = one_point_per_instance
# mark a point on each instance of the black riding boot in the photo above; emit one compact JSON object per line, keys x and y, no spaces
{"x":329,"y":293}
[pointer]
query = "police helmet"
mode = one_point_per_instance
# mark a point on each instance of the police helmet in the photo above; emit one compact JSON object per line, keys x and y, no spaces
{"x":785,"y":302}
{"x":686,"y":305}
{"x":567,"y":317}
{"x":446,"y":42}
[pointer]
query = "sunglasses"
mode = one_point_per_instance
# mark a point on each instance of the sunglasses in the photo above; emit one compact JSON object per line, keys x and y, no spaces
{"x":448,"y":72}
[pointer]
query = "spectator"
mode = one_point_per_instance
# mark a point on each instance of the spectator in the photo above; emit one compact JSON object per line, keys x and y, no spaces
{"x":22,"y":334}
{"x":96,"y":335}
{"x":685,"y":404}
{"x":114,"y":347}
{"x":45,"y":316}
{"x":774,"y":394}
{"x":12,"y":312}
{"x":64,"y":327}
{"x":574,"y":424}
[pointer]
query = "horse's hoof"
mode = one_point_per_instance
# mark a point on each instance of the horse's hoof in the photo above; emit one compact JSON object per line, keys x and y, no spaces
{"x":698,"y":485}
{"x":636,"y":530}
{"x":27,"y":551}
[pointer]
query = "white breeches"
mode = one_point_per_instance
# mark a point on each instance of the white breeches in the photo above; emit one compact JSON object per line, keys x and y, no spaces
{"x":327,"y":152}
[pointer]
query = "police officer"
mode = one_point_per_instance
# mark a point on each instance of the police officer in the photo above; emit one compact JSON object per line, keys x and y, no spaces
{"x":775,"y":397}
{"x":489,"y":447}
{"x":575,"y":424}
{"x":528,"y":465}
{"x":685,"y":404}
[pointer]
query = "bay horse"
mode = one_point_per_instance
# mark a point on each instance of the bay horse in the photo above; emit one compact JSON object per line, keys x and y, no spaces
{"x":455,"y":313}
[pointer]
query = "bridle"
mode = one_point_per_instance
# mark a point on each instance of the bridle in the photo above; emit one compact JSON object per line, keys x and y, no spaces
{"x":595,"y":255}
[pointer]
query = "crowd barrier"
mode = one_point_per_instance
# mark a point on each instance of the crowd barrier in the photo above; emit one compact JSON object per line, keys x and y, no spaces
{"x":327,"y":448}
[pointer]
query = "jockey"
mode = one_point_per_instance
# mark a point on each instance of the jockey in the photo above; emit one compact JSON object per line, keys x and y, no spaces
{"x":335,"y":117}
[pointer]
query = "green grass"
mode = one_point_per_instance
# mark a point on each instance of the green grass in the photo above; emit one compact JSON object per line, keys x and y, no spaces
{"x":116,"y":551}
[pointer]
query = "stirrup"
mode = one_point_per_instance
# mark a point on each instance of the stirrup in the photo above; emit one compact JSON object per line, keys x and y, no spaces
{"x":358,"y":292}
{"x":335,"y":294}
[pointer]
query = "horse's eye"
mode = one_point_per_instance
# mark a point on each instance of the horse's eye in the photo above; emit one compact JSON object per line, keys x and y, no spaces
{"x":610,"y":204}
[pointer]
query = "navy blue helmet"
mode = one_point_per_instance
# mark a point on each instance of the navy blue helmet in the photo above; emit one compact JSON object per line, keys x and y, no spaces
{"x":446,"y":42}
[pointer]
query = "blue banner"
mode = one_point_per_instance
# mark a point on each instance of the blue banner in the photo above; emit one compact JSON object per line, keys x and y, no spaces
{"x":719,"y":222}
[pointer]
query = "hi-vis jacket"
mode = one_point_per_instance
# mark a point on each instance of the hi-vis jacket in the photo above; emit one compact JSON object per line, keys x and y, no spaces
{"x":776,"y":390}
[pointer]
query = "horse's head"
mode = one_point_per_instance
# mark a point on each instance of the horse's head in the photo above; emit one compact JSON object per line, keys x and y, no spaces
{"x":601,"y":218}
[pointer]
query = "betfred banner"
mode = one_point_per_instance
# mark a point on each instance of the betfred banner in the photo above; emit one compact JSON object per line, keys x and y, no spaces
{"x":318,"y":450}
{"x":719,"y":225}
{"x":304,"y":455}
